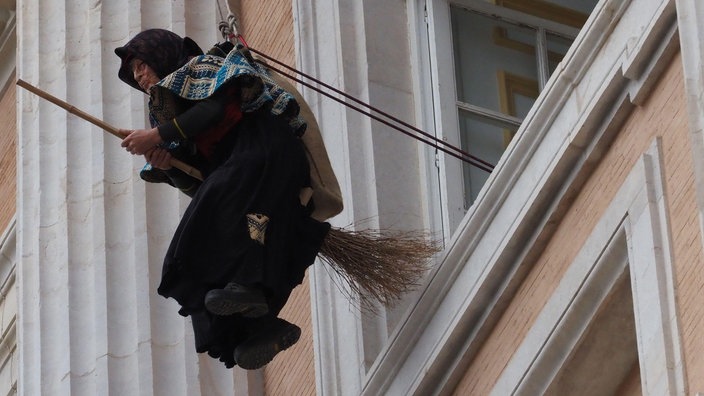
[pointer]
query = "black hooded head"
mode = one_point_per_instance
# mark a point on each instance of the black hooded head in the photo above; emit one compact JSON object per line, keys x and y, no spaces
{"x":162,"y":50}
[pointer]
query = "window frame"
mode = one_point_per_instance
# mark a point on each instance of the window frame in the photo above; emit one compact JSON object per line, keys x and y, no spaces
{"x":437,"y":44}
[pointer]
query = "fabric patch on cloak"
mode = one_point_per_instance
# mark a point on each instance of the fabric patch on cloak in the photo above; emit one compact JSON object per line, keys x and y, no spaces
{"x":256,"y":224}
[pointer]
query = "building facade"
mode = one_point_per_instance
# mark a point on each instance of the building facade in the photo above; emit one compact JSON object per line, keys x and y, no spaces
{"x":573,"y":267}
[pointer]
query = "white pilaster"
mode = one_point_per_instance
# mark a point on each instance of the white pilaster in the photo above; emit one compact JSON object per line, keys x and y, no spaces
{"x":317,"y":31}
{"x":91,"y":234}
{"x":690,"y":17}
{"x":350,"y":46}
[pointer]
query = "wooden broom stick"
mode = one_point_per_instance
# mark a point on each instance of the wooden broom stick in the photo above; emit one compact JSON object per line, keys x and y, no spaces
{"x":193,"y":172}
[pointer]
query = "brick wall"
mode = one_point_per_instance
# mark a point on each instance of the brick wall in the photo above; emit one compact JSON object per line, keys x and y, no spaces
{"x":664,"y":115}
{"x":268,"y":27}
{"x":8,"y":167}
{"x":8,"y":302}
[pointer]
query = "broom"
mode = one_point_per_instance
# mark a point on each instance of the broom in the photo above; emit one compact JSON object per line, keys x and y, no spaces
{"x":377,"y":266}
{"x":189,"y":170}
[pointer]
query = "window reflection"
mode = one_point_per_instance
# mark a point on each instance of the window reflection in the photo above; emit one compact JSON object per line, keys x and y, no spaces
{"x":489,"y":49}
{"x":501,"y":64}
{"x":485,"y":138}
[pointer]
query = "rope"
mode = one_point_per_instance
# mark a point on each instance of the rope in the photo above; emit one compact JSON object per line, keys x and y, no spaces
{"x":229,"y":32}
{"x":432,"y":142}
{"x":458,"y":153}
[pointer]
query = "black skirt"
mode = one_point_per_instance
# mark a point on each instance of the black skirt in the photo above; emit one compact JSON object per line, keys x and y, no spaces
{"x":260,"y":168}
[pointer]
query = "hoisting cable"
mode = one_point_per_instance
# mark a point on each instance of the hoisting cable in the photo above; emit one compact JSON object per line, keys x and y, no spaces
{"x":433,"y":142}
{"x":230,"y":33}
{"x":458,"y":153}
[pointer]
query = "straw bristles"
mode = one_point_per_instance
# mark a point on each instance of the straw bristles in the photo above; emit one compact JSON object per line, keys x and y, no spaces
{"x":378,"y":266}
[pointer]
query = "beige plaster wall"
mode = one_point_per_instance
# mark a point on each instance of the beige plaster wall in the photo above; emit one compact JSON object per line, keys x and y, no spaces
{"x":8,"y":166}
{"x":268,"y":27}
{"x":663,"y":115}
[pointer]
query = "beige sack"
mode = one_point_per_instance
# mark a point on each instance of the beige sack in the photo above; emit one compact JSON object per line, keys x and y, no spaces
{"x":326,"y":191}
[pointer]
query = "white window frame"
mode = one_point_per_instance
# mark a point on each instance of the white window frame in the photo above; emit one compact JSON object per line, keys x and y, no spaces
{"x":438,"y":47}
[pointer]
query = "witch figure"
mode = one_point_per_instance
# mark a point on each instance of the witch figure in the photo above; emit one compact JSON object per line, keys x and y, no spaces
{"x":247,"y":236}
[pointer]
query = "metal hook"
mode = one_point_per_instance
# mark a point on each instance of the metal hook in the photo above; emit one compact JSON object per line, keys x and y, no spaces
{"x":228,"y":28}
{"x":232,"y":20}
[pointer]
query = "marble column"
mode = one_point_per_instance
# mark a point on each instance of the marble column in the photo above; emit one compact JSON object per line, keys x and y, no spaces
{"x":91,"y":235}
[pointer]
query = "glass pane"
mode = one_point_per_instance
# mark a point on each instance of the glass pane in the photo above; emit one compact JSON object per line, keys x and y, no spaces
{"x":557,"y":48}
{"x":484,"y":48}
{"x":584,"y":7}
{"x":566,"y":12}
{"x":486,"y":140}
{"x":496,"y":69}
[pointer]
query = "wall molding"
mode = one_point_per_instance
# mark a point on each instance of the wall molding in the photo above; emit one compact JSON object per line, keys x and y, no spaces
{"x":632,"y":235}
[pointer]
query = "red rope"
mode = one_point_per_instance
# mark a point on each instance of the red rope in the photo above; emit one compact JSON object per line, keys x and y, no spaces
{"x":241,"y":39}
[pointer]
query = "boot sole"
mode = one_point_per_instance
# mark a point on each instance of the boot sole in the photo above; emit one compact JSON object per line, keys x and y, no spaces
{"x":258,"y":355}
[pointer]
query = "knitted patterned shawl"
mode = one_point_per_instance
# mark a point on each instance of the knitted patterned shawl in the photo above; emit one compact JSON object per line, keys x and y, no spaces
{"x":203,"y":75}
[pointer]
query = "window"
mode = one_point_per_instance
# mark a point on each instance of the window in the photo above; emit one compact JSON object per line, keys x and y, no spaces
{"x":501,"y":54}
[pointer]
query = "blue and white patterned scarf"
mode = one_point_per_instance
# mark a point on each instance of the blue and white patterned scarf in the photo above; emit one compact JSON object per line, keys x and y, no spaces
{"x":203,"y":75}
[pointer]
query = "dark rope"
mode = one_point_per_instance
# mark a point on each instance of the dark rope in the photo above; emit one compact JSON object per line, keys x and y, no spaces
{"x":484,"y":164}
{"x":431,"y":140}
{"x":433,"y":143}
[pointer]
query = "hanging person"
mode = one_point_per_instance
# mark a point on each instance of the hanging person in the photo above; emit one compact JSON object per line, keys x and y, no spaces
{"x":248,"y":234}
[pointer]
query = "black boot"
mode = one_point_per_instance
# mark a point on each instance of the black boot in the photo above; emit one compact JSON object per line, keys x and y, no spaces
{"x":271,"y":337}
{"x":235,"y":298}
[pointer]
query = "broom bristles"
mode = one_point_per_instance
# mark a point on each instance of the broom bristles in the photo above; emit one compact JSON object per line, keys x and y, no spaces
{"x":378,"y":266}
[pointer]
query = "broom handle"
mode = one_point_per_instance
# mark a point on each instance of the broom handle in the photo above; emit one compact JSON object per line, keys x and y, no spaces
{"x":191,"y":171}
